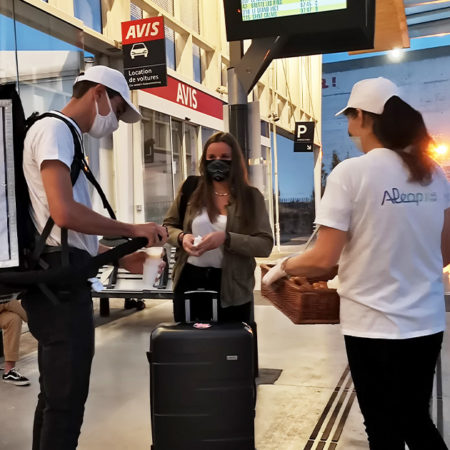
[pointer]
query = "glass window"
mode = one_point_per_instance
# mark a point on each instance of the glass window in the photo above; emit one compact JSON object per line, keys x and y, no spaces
{"x":90,"y":12}
{"x":265,"y":130}
{"x":206,"y":134}
{"x":177,"y":148}
{"x":165,"y":4}
{"x":189,"y":14}
{"x":224,"y":75}
{"x":46,"y":65}
{"x":8,"y":68}
{"x":135,"y":12}
{"x":157,"y":155}
{"x":197,"y":63}
{"x":170,"y":48}
{"x":191,"y":143}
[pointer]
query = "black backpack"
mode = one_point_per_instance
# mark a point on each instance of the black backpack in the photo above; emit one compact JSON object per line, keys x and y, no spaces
{"x":21,"y":265}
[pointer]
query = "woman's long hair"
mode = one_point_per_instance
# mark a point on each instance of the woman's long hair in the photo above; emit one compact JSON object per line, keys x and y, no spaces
{"x":238,"y":181}
{"x":401,"y":129}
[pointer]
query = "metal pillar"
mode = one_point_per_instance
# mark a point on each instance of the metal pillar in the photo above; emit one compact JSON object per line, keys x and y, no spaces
{"x":276,"y":188}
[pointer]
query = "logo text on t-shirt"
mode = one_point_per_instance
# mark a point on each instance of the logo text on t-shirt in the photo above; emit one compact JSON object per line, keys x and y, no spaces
{"x":395,"y":196}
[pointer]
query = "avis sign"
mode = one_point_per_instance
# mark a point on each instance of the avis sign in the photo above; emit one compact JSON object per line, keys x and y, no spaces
{"x":144,"y":53}
{"x":304,"y":136}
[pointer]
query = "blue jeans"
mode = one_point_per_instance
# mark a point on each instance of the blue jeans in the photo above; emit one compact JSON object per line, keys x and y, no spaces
{"x":394,"y":382}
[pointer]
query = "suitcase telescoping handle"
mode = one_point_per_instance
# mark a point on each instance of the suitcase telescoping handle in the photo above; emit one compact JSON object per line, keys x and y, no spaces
{"x":187,"y":303}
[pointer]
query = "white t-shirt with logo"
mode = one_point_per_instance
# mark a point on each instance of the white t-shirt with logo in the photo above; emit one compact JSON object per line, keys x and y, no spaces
{"x":51,"y":139}
{"x":390,"y":270}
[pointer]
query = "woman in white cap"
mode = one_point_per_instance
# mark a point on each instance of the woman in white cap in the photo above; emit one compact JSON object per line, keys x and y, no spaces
{"x":384,"y":217}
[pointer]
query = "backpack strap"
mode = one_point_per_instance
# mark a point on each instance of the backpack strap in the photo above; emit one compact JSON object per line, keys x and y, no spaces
{"x":187,"y":189}
{"x":79,"y":163}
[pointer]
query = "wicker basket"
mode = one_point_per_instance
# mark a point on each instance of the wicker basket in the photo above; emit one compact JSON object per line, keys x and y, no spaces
{"x":317,"y":306}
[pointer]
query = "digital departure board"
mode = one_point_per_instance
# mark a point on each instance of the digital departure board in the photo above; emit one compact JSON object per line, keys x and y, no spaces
{"x":306,"y":27}
{"x":269,"y":9}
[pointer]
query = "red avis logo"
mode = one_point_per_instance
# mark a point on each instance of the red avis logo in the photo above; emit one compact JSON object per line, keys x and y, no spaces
{"x":187,"y":96}
{"x":142,"y":30}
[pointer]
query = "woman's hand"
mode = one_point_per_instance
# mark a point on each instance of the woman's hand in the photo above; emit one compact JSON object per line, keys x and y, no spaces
{"x":274,"y":274}
{"x":188,"y":245}
{"x":210,"y":242}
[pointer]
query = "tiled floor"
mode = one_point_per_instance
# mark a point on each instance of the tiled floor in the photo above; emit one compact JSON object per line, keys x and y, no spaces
{"x":117,"y":414}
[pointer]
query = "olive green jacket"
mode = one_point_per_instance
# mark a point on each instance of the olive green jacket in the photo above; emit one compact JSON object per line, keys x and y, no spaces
{"x":238,"y":265}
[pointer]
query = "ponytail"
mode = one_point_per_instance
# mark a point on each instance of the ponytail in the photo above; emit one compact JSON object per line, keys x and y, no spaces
{"x":401,"y":129}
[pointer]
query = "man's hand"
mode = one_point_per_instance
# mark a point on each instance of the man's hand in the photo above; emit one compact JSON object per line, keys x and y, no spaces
{"x":210,"y":242}
{"x":152,"y":231}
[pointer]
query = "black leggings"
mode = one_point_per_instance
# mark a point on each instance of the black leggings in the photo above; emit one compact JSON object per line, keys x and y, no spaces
{"x":394,"y":382}
{"x":209,"y":278}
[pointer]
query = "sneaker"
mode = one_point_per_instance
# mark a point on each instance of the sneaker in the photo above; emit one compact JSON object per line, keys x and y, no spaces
{"x":14,"y":377}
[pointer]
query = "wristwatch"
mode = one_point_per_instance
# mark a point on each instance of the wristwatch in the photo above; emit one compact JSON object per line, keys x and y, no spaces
{"x":180,"y":238}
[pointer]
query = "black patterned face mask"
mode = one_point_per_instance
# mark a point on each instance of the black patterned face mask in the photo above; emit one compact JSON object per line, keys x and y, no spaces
{"x":218,"y":169}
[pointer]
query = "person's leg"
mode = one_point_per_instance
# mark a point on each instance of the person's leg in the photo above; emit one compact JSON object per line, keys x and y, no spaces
{"x":178,"y":306}
{"x":11,"y":324}
{"x":376,"y":385}
{"x":16,"y":307}
{"x":179,"y":313}
{"x":240,"y":313}
{"x":66,"y":346}
{"x":39,"y":412}
{"x":417,"y":358}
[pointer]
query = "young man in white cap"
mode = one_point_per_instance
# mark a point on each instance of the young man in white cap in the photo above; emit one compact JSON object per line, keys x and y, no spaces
{"x":65,"y":332}
{"x":385,"y":217}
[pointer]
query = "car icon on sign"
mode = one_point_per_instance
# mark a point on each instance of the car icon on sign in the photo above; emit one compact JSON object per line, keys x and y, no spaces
{"x":139,"y":49}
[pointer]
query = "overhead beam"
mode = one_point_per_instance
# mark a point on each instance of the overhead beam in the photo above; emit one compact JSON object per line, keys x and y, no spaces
{"x":428,"y":29}
{"x":428,"y":16}
{"x":391,"y":29}
{"x":412,"y":3}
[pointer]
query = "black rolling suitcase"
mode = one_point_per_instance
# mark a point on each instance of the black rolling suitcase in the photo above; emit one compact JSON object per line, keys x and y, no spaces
{"x":202,"y":386}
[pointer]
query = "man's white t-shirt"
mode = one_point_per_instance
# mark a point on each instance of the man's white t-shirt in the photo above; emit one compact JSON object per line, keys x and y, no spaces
{"x":51,"y":139}
{"x":390,"y":270}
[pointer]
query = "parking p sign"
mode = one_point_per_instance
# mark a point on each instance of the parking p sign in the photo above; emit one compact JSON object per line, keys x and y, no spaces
{"x":144,"y":53}
{"x":304,"y":136}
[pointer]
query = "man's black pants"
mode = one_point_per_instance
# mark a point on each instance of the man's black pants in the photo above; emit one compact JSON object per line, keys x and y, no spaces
{"x":394,"y":382}
{"x":65,"y":335}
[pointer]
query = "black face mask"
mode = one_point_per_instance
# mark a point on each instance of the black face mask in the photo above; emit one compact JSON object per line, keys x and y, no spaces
{"x":218,"y":169}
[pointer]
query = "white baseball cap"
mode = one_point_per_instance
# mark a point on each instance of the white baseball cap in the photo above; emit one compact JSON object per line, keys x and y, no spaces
{"x":371,"y":95}
{"x":114,"y":80}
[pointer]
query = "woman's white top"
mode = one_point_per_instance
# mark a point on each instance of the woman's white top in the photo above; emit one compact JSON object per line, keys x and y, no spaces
{"x":201,"y":226}
{"x":51,"y":139}
{"x":390,"y":270}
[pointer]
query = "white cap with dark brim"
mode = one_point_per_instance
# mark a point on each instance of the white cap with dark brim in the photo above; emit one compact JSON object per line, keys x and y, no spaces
{"x":371,"y":95}
{"x":113,"y":79}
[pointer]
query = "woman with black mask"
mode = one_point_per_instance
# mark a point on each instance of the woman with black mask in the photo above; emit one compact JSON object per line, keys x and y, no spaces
{"x":225,"y":225}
